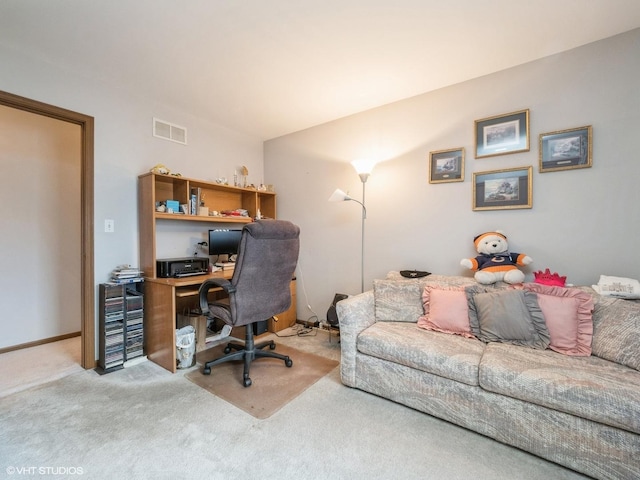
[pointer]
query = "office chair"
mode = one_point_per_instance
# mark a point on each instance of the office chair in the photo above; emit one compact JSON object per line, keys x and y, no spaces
{"x":259,"y":288}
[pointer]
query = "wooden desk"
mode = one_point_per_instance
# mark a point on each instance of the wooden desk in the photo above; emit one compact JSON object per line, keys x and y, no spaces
{"x":164,"y":298}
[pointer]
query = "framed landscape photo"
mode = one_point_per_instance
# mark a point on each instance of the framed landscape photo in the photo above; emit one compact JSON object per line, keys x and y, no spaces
{"x":503,"y":189}
{"x":566,"y":149}
{"x":446,"y":166}
{"x":502,"y":134}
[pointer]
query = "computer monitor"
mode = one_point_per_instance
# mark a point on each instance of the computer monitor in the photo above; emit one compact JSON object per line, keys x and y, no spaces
{"x":224,"y":241}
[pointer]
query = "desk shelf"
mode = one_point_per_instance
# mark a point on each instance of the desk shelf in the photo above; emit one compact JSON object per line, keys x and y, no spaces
{"x":154,"y":188}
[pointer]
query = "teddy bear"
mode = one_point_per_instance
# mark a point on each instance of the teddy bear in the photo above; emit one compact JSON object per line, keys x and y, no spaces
{"x":495,"y":263}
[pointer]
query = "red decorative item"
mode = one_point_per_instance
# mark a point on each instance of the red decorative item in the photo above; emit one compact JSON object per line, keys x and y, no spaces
{"x":548,"y":278}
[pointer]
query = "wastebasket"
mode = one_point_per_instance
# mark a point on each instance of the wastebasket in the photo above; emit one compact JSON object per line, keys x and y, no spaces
{"x":186,"y":347}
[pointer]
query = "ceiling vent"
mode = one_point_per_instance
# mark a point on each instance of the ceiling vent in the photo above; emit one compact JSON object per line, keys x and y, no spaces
{"x":169,"y":131}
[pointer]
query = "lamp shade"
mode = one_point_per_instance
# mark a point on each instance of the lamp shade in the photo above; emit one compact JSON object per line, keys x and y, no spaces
{"x":364,"y":165}
{"x":339,"y":196}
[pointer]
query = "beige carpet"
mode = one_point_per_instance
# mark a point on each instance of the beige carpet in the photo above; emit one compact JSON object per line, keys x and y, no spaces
{"x":274,"y":385}
{"x":29,"y":367}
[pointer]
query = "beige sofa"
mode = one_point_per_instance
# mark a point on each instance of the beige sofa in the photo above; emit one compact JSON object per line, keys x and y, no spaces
{"x":582,"y":412}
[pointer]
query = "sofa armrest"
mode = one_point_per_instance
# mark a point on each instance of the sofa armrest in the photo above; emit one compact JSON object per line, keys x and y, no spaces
{"x":354,"y":315}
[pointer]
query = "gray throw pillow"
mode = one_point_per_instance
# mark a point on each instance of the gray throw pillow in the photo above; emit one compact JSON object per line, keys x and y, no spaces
{"x":507,"y":316}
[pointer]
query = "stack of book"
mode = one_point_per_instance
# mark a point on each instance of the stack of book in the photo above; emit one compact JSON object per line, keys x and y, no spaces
{"x":126,"y":274}
{"x":226,"y":265}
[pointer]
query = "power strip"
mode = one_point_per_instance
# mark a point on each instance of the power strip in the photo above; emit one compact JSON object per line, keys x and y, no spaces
{"x":308,"y":323}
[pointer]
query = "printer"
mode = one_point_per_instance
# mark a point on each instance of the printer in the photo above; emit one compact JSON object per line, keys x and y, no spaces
{"x":182,"y":267}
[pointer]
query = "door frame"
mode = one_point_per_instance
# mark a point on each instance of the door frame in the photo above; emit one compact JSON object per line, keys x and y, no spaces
{"x":86,"y":123}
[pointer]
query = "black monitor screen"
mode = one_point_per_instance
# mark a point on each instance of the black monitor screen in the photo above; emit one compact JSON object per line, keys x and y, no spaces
{"x":224,"y":242}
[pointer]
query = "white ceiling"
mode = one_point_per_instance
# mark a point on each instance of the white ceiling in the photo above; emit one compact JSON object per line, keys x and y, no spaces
{"x":272,"y":67}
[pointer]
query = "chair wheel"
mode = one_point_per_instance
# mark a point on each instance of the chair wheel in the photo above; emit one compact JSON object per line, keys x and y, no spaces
{"x":227,"y":349}
{"x":207,"y":371}
{"x":288,"y":362}
{"x":247,"y":382}
{"x":272,"y":346}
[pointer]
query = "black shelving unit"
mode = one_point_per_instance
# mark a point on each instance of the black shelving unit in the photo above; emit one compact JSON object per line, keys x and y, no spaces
{"x":121,"y":336}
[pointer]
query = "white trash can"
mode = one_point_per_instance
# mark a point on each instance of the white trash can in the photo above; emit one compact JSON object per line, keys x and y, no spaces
{"x":186,"y":347}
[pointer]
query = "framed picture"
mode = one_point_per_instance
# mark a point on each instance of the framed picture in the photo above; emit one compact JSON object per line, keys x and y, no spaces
{"x":446,"y":166}
{"x":503,"y":189}
{"x":566,"y":149}
{"x":502,"y":134}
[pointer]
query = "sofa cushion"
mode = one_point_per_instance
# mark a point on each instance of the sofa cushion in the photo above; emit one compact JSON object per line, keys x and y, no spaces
{"x":510,"y":316}
{"x":397,"y":300}
{"x":616,"y":330}
{"x":588,"y":387}
{"x":449,"y":356}
{"x":567,"y":314}
{"x":445,"y":310}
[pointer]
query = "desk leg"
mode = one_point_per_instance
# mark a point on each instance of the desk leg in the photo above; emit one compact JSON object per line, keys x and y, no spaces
{"x":160,"y":324}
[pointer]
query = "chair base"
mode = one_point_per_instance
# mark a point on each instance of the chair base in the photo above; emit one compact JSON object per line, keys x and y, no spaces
{"x":248,"y":353}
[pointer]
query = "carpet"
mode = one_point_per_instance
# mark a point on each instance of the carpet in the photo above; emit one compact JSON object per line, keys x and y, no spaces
{"x":274,"y":385}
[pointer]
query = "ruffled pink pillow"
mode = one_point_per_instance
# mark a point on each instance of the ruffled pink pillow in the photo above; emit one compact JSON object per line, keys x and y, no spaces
{"x":445,"y":310}
{"x":567,"y":313}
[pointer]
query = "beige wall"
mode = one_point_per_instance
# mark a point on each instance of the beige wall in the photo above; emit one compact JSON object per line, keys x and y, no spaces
{"x":41,"y":253}
{"x":583,"y":222}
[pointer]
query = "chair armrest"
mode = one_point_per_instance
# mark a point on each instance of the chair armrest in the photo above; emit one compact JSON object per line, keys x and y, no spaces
{"x":354,"y":315}
{"x":207,"y":285}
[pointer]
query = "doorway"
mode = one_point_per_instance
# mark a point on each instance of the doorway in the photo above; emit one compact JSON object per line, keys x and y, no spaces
{"x":86,"y":295}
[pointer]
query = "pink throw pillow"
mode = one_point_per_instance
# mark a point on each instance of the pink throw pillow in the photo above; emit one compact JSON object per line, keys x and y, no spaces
{"x":567,"y":313}
{"x":445,"y":310}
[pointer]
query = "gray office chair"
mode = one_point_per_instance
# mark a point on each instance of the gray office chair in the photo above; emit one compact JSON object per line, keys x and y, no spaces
{"x":258,"y":290}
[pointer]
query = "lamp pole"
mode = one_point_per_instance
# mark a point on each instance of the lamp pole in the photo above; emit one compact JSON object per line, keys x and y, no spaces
{"x":363,"y":178}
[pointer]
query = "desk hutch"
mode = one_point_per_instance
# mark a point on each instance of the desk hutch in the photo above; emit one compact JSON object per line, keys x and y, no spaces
{"x":166,"y":297}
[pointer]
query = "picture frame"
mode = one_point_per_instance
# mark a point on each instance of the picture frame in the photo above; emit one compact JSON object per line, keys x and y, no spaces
{"x":505,"y":189}
{"x":446,"y":165}
{"x":566,"y":149}
{"x":502,"y":134}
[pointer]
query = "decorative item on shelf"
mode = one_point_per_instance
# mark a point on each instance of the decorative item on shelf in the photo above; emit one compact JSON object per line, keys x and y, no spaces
{"x":244,"y":171}
{"x":364,"y":169}
{"x":160,"y":169}
{"x":173,"y":206}
{"x":239,"y":212}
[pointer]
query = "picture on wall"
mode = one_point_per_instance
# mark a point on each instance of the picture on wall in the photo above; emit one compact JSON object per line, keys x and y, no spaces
{"x":502,"y":134}
{"x":566,"y":149}
{"x":446,"y":166}
{"x":503,"y":189}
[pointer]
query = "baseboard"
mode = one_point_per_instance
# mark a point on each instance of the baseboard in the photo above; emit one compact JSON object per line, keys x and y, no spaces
{"x":39,"y":342}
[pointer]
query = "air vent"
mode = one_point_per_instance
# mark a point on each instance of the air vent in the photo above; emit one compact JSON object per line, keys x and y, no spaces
{"x":169,"y":131}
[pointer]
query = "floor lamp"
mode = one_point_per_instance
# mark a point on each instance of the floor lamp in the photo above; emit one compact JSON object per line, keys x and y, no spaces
{"x":364,"y":169}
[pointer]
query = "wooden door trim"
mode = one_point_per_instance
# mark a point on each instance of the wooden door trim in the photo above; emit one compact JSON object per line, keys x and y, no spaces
{"x":86,"y":123}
